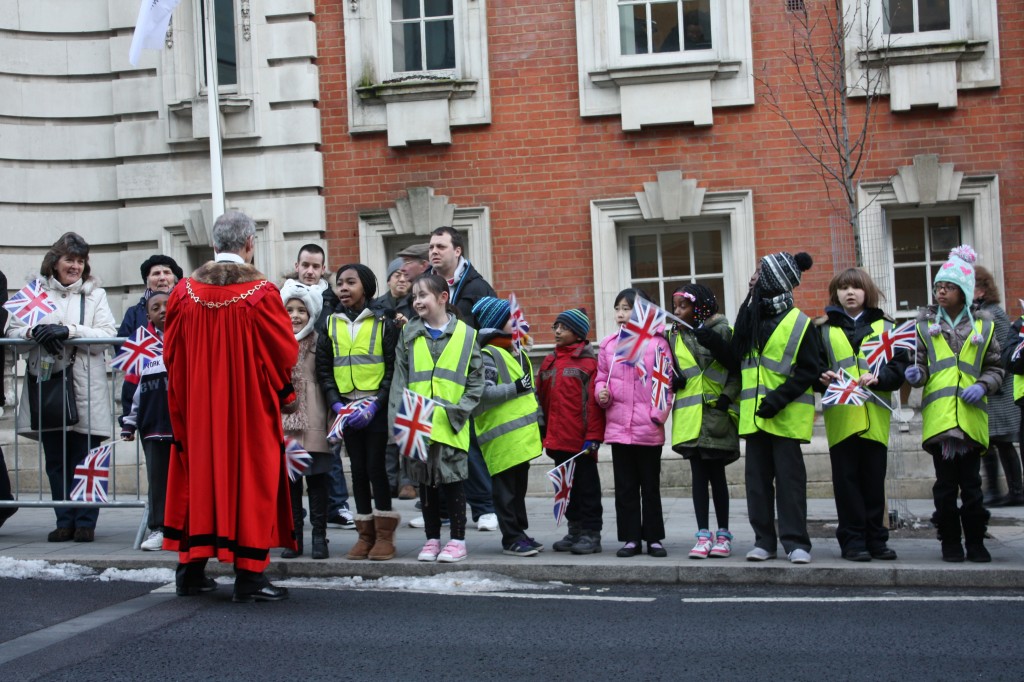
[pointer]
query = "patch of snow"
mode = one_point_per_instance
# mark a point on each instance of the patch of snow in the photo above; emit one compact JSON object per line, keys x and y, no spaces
{"x":21,"y":569}
{"x":138,"y":575}
{"x":458,"y":582}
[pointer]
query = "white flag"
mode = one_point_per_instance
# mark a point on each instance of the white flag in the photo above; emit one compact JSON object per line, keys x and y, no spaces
{"x":151,"y":27}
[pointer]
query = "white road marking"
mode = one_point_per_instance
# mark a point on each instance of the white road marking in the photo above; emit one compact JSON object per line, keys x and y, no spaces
{"x":452,"y":593}
{"x":843,"y":600}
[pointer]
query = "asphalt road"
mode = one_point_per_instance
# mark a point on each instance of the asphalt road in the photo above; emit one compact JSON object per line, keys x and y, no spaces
{"x":124,"y":631}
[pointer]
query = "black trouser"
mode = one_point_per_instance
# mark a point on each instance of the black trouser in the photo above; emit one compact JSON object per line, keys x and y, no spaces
{"x":959,"y":475}
{"x":158,"y":460}
{"x":366,"y":453}
{"x":584,"y":508}
{"x":5,"y":490}
{"x":776,"y":465}
{"x":509,"y":490}
{"x":858,"y":484}
{"x":397,"y":477}
{"x":431,"y":503}
{"x":705,"y":472}
{"x":63,"y":477}
{"x":317,"y":485}
{"x":638,"y":513}
{"x":1002,"y":452}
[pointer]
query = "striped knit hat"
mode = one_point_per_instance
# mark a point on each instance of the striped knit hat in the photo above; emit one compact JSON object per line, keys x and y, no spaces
{"x":780,"y":272}
{"x":491,"y":312}
{"x":576,"y":320}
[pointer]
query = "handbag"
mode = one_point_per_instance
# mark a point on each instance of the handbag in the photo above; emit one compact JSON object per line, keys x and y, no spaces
{"x":52,"y":403}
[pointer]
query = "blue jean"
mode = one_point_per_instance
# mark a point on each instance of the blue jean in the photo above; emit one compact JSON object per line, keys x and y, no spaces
{"x":337,"y":491}
{"x":478,"y":486}
{"x":63,"y":478}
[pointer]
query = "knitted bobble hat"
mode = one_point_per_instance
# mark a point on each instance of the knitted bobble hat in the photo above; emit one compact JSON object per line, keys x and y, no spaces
{"x":959,"y":270}
{"x":491,"y":312}
{"x":576,"y":320}
{"x":781,"y":272}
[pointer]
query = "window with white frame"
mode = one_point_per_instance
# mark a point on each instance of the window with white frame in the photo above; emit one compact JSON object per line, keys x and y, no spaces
{"x":422,"y":35}
{"x":920,"y":245}
{"x":416,"y":68}
{"x":227,"y":50}
{"x":657,"y":62}
{"x":915,"y":16}
{"x":927,"y":49}
{"x":663,"y":259}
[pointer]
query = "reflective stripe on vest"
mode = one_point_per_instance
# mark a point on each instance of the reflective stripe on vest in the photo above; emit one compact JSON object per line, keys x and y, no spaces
{"x":445,"y":381}
{"x":764,"y":372}
{"x":358,"y":362}
{"x":870,"y":420}
{"x":701,"y":387}
{"x":948,"y":375}
{"x":509,"y":433}
{"x":1018,"y":380}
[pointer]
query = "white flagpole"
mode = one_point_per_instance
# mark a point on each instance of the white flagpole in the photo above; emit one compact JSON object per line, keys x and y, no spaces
{"x":213,"y":102}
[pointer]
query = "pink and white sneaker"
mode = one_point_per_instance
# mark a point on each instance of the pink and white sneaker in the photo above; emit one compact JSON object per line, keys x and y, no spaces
{"x":430,"y":551}
{"x":703,"y":546}
{"x":723,"y":544}
{"x":452,"y":552}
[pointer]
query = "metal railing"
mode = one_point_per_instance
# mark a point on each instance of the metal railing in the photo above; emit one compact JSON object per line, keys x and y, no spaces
{"x":27,"y":462}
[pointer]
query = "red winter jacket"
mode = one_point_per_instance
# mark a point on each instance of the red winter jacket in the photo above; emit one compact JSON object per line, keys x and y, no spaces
{"x":565,"y":388}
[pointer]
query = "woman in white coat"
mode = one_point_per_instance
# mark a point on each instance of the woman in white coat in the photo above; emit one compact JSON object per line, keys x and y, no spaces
{"x":82,"y":312}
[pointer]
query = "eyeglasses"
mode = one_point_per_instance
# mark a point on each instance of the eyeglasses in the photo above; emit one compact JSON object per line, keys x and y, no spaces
{"x":944,"y":286}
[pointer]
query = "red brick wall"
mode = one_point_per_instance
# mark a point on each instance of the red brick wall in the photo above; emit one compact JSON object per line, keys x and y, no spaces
{"x":539,"y":163}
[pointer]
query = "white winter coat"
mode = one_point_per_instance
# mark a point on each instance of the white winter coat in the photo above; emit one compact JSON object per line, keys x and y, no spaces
{"x":92,"y":387}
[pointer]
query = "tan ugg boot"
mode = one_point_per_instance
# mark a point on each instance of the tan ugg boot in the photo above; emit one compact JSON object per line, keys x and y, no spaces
{"x":367,"y":537}
{"x":386,"y":522}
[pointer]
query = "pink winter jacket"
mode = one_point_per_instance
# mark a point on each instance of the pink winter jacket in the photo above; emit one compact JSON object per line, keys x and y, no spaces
{"x":630,"y":419}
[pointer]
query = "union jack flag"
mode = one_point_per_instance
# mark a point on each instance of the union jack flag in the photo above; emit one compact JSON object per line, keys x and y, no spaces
{"x":561,"y":478}
{"x":413,"y":425}
{"x":879,"y":351}
{"x":92,"y":476}
{"x":347,"y":411}
{"x":661,"y":380}
{"x":520,"y":327}
{"x":296,"y":458}
{"x":141,"y":347}
{"x":31,"y":303}
{"x":844,"y":392}
{"x":638,"y":331}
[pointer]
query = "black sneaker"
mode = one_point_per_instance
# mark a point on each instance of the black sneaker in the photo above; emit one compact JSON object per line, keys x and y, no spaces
{"x":341,"y":519}
{"x":539,"y":546}
{"x":589,"y":543}
{"x":520,"y":548}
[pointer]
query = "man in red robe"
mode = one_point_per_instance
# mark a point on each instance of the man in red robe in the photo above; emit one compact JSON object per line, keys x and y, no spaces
{"x":229,"y":350}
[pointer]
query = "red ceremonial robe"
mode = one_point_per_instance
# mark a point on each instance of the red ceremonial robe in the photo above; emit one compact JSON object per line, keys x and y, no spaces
{"x":229,"y":351}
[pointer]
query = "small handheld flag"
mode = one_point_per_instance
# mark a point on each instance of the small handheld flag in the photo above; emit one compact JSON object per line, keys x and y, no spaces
{"x":881,"y":350}
{"x":413,"y":425}
{"x":561,"y":478}
{"x":143,"y":346}
{"x":296,"y":458}
{"x":638,"y":331}
{"x":844,"y":392}
{"x":520,"y":327}
{"x":31,"y":303}
{"x":347,"y":410}
{"x":93,"y":475}
{"x":661,"y":380}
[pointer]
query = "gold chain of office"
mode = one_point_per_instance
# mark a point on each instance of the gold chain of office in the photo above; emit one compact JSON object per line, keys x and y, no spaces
{"x":222,"y":304}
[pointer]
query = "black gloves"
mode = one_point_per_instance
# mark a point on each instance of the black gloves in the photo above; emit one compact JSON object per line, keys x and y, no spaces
{"x":50,"y":336}
{"x":678,"y":382}
{"x":766,"y":411}
{"x":524,"y":385}
{"x":723,"y":403}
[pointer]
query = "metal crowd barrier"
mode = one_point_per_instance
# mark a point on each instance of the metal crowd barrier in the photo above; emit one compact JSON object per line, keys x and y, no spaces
{"x":27,"y":458}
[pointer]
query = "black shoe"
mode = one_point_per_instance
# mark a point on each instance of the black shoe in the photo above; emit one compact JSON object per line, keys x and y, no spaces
{"x":883,"y":553}
{"x":630,"y":549}
{"x":85,"y":534}
{"x":6,"y":513}
{"x":589,"y":543}
{"x":657,"y":550}
{"x":193,"y":588}
{"x":319,"y":550}
{"x":268,"y":592}
{"x":952,"y":552}
{"x":570,"y":539}
{"x":977,"y":553}
{"x":61,"y":535}
{"x":858,"y":555}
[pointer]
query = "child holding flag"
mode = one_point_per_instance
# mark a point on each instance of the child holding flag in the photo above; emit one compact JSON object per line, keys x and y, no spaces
{"x":703,"y":429}
{"x":858,"y":434}
{"x":958,"y":365}
{"x":506,"y":422}
{"x":635,"y":427}
{"x":151,"y":417}
{"x":437,"y":357}
{"x":355,"y":359}
{"x":574,"y":423}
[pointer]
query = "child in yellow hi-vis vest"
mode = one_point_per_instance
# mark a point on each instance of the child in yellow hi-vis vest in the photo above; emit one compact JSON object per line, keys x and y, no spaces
{"x":958,"y":365}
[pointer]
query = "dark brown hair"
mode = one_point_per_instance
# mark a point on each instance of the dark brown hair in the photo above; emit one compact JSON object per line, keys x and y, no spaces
{"x":984,"y":277}
{"x":858,"y":279}
{"x":69,"y":244}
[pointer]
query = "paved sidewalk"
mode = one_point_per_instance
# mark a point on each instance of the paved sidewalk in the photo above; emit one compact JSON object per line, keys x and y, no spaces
{"x":919,"y":563}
